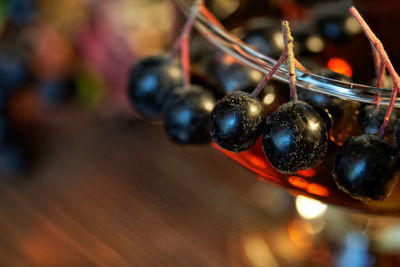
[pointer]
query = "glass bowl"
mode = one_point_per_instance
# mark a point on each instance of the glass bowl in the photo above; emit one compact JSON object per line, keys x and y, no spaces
{"x":317,"y":183}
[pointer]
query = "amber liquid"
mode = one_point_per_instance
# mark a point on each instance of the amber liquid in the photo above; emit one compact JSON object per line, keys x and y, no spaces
{"x":318,"y":182}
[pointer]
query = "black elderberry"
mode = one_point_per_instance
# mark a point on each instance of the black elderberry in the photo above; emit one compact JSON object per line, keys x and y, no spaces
{"x":330,"y":108}
{"x":207,"y":82}
{"x":371,"y":117}
{"x":294,"y":137}
{"x":273,"y":95}
{"x":266,"y":36}
{"x":186,"y":115}
{"x":150,"y":81}
{"x":236,"y":121}
{"x":234,"y":77}
{"x":364,"y":168}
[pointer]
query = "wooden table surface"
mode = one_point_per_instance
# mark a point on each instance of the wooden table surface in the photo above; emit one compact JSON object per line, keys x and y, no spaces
{"x":115,"y":193}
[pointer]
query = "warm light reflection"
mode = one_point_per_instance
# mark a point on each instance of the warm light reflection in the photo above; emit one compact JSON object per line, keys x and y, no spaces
{"x":228,"y":59}
{"x":269,"y":99}
{"x":307,"y":173}
{"x":278,"y":39}
{"x":254,"y":160}
{"x":253,"y":109}
{"x":208,"y":105}
{"x":340,"y":65}
{"x":388,"y":238}
{"x":313,"y":125}
{"x":224,"y":8}
{"x":312,"y":188}
{"x":256,"y":75}
{"x":318,"y":190}
{"x":309,"y":208}
{"x":351,"y":26}
{"x":315,"y":44}
{"x":298,"y":182}
{"x":301,"y":233}
{"x":258,"y":252}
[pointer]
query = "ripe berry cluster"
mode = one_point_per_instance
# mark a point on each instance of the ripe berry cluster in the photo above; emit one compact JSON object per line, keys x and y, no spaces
{"x":294,"y":133}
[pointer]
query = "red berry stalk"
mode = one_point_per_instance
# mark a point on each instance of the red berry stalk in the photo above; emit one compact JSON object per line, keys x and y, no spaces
{"x":386,"y":61}
{"x":380,"y":70}
{"x":286,"y":55}
{"x":183,"y":40}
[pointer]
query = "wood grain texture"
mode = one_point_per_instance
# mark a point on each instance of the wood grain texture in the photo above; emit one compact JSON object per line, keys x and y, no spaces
{"x":108,"y":193}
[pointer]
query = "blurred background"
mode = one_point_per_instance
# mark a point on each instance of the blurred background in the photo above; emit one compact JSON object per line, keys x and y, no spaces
{"x":86,"y":182}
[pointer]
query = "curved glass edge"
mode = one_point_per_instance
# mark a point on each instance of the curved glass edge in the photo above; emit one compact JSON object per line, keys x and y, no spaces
{"x":248,"y":56}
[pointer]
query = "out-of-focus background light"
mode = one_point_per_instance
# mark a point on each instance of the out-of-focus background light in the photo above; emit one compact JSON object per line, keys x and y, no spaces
{"x":310,"y":208}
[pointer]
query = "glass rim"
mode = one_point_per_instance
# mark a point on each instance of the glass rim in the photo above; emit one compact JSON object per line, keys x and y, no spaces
{"x":245,"y":54}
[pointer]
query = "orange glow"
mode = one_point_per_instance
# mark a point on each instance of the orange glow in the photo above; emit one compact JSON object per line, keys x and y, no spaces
{"x":253,"y":161}
{"x":307,"y":173}
{"x":228,"y":59}
{"x":311,"y":188}
{"x":340,"y":65}
{"x":300,"y":233}
{"x":317,"y":189}
{"x":298,"y":182}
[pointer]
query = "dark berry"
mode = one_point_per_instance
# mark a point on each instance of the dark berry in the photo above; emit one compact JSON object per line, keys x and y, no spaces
{"x":294,"y":137}
{"x":236,"y":122}
{"x":236,"y":77}
{"x":266,"y":36}
{"x":202,"y":54}
{"x":371,"y":118}
{"x":186,"y":115}
{"x":363,"y":168}
{"x":274,"y":95}
{"x":330,"y":108}
{"x":150,"y":81}
{"x":207,"y":82}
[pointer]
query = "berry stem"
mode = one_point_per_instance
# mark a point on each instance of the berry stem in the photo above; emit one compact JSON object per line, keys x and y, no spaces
{"x":385,"y":59}
{"x":379,"y":72}
{"x":183,"y":40}
{"x":185,"y":58}
{"x":288,"y":42}
{"x":283,"y":57}
{"x":187,"y":27}
{"x":267,"y":77}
